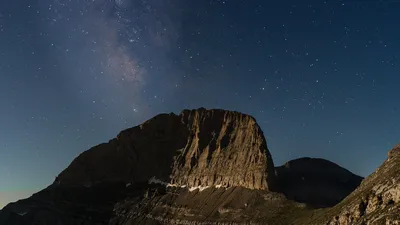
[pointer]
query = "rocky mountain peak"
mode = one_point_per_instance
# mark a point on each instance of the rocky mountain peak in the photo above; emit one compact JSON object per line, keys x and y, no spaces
{"x":197,"y":148}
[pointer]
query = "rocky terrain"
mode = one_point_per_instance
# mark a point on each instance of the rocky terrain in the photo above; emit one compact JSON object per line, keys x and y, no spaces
{"x":206,"y":167}
{"x":375,"y":201}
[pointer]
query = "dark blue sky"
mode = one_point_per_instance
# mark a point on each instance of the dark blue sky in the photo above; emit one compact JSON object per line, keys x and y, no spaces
{"x":321,"y":78}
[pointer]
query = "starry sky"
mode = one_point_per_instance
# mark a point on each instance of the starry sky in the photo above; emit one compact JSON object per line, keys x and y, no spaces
{"x":321,"y":77}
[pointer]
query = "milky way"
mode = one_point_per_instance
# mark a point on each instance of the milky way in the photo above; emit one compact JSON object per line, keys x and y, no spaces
{"x":122,"y":35}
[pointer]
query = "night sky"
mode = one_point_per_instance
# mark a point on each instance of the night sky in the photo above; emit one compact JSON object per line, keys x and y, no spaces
{"x":321,"y":78}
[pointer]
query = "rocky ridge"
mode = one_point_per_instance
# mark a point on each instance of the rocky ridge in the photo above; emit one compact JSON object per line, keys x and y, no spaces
{"x":375,"y":201}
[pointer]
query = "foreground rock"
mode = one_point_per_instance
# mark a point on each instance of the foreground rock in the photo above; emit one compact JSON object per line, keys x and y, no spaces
{"x":375,"y":201}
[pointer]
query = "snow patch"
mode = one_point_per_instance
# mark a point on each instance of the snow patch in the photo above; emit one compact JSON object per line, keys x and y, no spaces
{"x":201,"y":188}
{"x":154,"y":180}
{"x":221,"y":186}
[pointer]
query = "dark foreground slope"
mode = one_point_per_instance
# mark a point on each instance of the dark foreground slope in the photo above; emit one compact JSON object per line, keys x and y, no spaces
{"x":199,"y":167}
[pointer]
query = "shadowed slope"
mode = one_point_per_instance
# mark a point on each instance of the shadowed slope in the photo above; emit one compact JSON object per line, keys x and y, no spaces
{"x":316,"y":182}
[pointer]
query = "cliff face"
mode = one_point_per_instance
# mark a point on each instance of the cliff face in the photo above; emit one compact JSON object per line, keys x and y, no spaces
{"x":198,"y":148}
{"x":223,"y":149}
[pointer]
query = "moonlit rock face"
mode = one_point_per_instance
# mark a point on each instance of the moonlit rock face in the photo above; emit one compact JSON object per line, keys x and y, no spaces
{"x":196,"y":148}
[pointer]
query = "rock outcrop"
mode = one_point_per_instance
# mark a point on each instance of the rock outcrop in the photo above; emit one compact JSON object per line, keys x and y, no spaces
{"x":309,"y":180}
{"x":375,"y":201}
{"x":198,"y":148}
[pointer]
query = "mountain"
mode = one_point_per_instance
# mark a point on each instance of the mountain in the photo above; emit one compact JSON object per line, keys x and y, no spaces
{"x":308,"y":180}
{"x":205,"y":167}
{"x":198,"y":148}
